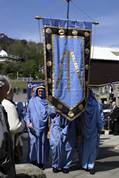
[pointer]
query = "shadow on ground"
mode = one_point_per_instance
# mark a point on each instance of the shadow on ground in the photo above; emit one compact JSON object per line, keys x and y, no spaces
{"x":22,"y":176}
{"x":108,"y":159}
{"x":105,"y":152}
{"x":106,"y":165}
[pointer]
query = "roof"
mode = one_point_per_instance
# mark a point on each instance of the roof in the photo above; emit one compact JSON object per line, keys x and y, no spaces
{"x":105,"y":53}
{"x":3,"y":53}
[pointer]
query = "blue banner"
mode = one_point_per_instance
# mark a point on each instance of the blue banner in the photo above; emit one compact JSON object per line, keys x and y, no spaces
{"x":67,"y":23}
{"x":67,"y":59}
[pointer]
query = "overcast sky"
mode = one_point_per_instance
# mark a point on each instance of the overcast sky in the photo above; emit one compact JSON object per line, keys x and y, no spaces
{"x":17,"y":17}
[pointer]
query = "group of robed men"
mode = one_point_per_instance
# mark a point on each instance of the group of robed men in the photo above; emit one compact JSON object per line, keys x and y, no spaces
{"x":63,"y":133}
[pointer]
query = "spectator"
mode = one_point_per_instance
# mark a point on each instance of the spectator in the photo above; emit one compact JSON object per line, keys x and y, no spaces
{"x":7,"y":167}
{"x":21,"y":110}
{"x":115,"y":118}
{"x":21,"y":138}
{"x":15,"y":124}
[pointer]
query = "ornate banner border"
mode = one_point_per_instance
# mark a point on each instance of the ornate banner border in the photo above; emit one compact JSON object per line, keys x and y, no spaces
{"x":69,"y":113}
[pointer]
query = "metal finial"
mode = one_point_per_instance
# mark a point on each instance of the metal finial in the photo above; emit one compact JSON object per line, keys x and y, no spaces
{"x":38,"y":17}
{"x":95,"y":23}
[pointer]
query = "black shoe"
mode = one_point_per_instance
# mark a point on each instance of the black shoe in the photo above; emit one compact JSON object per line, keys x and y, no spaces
{"x":34,"y":163}
{"x":92,"y":171}
{"x":85,"y":169}
{"x":65,"y":170}
{"x":55,"y":170}
{"x":41,"y":166}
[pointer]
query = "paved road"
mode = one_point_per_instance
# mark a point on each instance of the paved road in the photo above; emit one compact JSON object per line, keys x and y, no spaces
{"x":107,"y":164}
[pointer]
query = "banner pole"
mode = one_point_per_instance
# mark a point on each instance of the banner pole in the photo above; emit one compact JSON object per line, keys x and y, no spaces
{"x":38,"y":18}
{"x":68,"y":4}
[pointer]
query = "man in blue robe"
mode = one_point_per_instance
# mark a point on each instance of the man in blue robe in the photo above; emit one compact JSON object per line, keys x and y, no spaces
{"x":32,"y":139}
{"x":91,"y":125}
{"x":37,"y":123}
{"x":62,"y":142}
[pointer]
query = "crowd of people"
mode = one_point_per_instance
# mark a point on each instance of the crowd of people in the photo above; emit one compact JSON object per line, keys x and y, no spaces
{"x":46,"y":133}
{"x":111,"y":115}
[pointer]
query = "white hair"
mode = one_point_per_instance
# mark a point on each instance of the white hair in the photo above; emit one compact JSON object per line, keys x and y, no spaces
{"x":3,"y":81}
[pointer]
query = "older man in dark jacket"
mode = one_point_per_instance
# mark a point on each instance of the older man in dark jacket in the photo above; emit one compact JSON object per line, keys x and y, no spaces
{"x":7,"y":168}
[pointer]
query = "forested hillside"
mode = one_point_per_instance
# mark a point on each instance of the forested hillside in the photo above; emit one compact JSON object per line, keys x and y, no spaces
{"x":30,"y":52}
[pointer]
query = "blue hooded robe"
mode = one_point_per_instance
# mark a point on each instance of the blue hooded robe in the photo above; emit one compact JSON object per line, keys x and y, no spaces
{"x":62,"y":141}
{"x":21,"y":110}
{"x":91,"y":125}
{"x":37,"y":115}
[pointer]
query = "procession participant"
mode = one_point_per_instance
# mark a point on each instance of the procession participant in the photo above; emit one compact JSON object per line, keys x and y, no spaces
{"x":7,"y":167}
{"x":62,"y":142}
{"x":37,"y":122}
{"x":91,"y":125}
